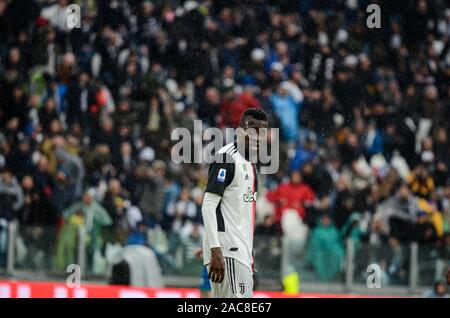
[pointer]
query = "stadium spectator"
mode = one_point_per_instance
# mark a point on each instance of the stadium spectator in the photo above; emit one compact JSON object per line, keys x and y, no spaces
{"x":293,"y":195}
{"x":115,"y":204}
{"x":89,"y":215}
{"x":325,"y":251}
{"x":182,"y":213}
{"x":11,"y":194}
{"x":439,"y":290}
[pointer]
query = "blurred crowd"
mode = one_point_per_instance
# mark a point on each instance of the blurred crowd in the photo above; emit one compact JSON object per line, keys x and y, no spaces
{"x":86,"y":116}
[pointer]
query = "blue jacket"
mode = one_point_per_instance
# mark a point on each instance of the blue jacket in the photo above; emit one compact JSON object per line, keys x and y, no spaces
{"x":287,"y":110}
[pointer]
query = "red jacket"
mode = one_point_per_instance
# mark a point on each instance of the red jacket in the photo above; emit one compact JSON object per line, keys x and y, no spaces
{"x":290,"y":196}
{"x":231,"y":112}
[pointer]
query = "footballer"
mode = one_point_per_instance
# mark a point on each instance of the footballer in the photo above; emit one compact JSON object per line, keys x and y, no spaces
{"x":229,"y":208}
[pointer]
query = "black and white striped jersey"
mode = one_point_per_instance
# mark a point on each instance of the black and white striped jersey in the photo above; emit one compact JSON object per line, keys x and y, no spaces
{"x":235,"y":181}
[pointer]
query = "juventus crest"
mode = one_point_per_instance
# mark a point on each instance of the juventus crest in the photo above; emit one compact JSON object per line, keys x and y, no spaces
{"x":241,"y":288}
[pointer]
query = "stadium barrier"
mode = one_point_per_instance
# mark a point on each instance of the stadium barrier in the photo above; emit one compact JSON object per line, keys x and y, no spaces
{"x":25,"y":289}
{"x":409,"y":266}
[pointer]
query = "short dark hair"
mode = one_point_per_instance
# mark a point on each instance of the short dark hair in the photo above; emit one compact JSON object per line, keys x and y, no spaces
{"x":256,"y":113}
{"x":120,"y":274}
{"x":6,"y":170}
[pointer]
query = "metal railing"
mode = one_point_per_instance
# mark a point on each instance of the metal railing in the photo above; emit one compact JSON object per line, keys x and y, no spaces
{"x":4,"y":232}
{"x":81,"y":250}
{"x":7,"y":248}
{"x":12,"y":230}
{"x":410,"y":266}
{"x":34,"y":249}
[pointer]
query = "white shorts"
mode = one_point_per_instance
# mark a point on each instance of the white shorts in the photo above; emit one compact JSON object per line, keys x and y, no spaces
{"x":237,"y":283}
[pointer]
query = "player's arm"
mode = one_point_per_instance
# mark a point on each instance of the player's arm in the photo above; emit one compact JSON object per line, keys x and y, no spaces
{"x":219,"y":177}
{"x":217,"y":265}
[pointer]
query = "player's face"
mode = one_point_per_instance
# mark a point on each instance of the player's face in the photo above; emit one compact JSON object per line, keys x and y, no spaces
{"x":254,"y":130}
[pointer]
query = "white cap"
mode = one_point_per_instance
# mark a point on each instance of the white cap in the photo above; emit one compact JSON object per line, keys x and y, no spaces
{"x":363,"y":56}
{"x":91,"y":192}
{"x":258,"y":55}
{"x":341,"y":36}
{"x":351,"y":60}
{"x":190,"y":5}
{"x":286,"y":85}
{"x":277,"y":66}
{"x":338,"y":119}
{"x":323,"y":38}
{"x":147,"y":154}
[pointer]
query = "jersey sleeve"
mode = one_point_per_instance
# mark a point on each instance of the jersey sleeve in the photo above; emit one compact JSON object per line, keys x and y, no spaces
{"x":220,"y":176}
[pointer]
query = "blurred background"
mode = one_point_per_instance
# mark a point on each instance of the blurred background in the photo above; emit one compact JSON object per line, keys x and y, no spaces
{"x":85,"y":150}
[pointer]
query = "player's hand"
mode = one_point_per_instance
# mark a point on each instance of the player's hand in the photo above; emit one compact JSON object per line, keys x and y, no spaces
{"x":217,"y":266}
